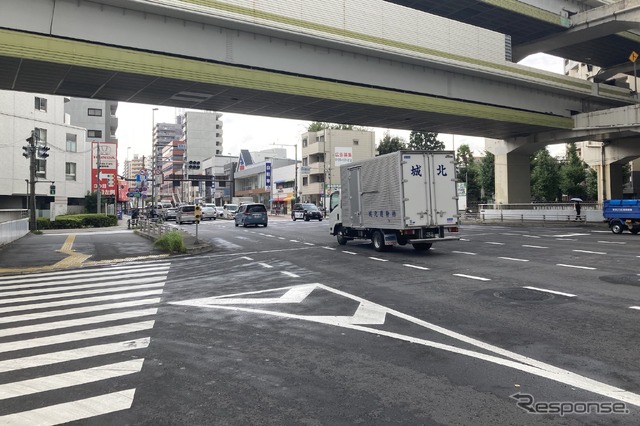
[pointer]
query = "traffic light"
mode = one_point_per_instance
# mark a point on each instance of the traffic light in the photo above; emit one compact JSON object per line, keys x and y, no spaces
{"x":193,"y":165}
{"x":27,"y":151}
{"x":197,"y":213}
{"x":52,"y":190}
{"x":43,"y":151}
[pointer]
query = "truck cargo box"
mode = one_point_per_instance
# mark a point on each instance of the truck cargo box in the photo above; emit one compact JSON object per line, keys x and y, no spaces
{"x":400,"y":190}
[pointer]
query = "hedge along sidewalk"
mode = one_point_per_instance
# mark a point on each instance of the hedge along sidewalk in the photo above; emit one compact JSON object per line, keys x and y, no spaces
{"x":77,"y":221}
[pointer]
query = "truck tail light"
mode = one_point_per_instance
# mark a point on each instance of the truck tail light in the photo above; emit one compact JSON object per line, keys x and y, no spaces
{"x":453,"y":229}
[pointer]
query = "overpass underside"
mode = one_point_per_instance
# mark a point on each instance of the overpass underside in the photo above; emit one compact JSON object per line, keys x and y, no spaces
{"x":297,"y":59}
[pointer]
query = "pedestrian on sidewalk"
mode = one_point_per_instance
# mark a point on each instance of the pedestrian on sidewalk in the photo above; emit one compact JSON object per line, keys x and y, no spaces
{"x":577,"y":207}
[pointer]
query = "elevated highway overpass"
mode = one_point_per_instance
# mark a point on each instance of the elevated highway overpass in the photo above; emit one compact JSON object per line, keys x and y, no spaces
{"x":363,"y":62}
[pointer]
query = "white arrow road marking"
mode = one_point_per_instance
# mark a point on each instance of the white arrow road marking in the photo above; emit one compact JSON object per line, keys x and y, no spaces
{"x":372,"y":313}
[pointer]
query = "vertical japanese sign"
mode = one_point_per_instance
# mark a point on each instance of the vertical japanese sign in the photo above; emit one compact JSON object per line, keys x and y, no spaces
{"x":342,"y":155}
{"x":108,"y":167}
{"x":267,"y":175}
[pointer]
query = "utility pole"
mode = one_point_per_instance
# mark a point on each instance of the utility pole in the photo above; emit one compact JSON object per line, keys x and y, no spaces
{"x":98,"y":180}
{"x":30,"y":154}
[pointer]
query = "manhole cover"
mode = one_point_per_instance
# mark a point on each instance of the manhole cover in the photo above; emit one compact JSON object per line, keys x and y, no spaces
{"x":523,"y":295}
{"x":629,"y":279}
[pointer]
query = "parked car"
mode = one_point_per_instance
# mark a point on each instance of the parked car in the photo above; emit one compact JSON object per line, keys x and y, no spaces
{"x":170,"y":213}
{"x":230,"y":210}
{"x":306,"y":211}
{"x":186,"y":213}
{"x":251,"y":214}
{"x":209,"y":212}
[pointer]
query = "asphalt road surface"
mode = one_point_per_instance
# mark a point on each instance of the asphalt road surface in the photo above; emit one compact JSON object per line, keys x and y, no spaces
{"x":283,"y":326}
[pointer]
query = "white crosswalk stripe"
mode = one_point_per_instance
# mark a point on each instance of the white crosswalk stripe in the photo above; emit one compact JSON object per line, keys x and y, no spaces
{"x":76,"y":323}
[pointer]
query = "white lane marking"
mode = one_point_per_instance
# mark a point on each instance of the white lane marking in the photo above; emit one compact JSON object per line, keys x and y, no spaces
{"x":329,"y":248}
{"x":570,"y":235}
{"x":415,"y":266}
{"x":309,"y":244}
{"x":270,"y":236}
{"x":613,"y":242}
{"x":494,"y":243}
{"x":530,"y":236}
{"x":589,"y":252}
{"x":550,"y":291}
{"x":634,"y":307}
{"x":281,"y":238}
{"x":464,"y":252}
{"x":348,"y":252}
{"x":65,"y":380}
{"x":264,"y":265}
{"x":62,"y":286}
{"x":473,"y":277}
{"x":536,"y":247}
{"x":72,"y":354}
{"x":513,"y":258}
{"x":566,"y":239}
{"x":67,"y":302}
{"x":89,"y":273}
{"x":294,"y":241}
{"x":509,"y":233}
{"x":71,"y":411}
{"x":76,"y":322}
{"x":378,"y":259}
{"x":77,"y":336}
{"x":79,"y":293}
{"x":500,"y":356}
{"x":73,"y":311}
{"x":464,"y":239}
{"x":246,"y":258}
{"x":291,"y":274}
{"x":575,"y":266}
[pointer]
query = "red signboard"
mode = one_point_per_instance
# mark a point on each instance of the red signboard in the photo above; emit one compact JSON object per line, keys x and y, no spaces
{"x":107,"y":179}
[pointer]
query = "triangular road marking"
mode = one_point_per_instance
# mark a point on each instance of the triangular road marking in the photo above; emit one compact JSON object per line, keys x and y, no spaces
{"x":369,"y":313}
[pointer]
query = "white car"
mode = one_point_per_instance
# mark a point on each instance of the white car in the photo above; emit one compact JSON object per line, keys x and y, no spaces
{"x":220,"y":211}
{"x":209,"y":212}
{"x":230,"y":211}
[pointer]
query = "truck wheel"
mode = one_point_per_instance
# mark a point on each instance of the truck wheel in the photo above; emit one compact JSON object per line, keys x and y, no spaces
{"x":422,"y":246}
{"x":617,"y":228}
{"x":377,"y":239}
{"x":342,"y":240}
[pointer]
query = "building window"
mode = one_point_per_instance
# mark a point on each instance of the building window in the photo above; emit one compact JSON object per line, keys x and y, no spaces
{"x":304,"y":142}
{"x":94,"y":133}
{"x":72,"y":142}
{"x":41,"y":104}
{"x":41,"y":169}
{"x":94,"y":112}
{"x":41,"y":135}
{"x":356,"y":142}
{"x":70,"y":171}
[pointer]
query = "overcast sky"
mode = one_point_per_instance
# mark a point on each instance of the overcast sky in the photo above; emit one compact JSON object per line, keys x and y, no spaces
{"x":259,"y":133}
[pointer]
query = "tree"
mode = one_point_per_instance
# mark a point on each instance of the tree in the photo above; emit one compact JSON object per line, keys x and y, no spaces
{"x":573,"y":174}
{"x":591,"y":184}
{"x":318,"y":126}
{"x":467,"y":172}
{"x":390,"y":144}
{"x":425,"y":141}
{"x":91,"y":202}
{"x":487,"y":175}
{"x":545,"y":177}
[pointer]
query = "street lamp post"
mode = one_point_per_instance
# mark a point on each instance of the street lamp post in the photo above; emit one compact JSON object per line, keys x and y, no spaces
{"x":154,"y":159}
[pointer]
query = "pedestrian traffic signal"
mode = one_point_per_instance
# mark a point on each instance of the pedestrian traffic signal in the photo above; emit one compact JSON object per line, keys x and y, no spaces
{"x":193,"y":165}
{"x":43,"y":151}
{"x":52,"y":190}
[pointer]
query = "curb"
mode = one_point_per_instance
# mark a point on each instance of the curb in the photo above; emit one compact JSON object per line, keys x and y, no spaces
{"x":190,"y":243}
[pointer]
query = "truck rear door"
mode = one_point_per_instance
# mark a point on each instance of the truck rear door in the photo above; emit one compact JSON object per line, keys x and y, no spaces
{"x":429,"y":189}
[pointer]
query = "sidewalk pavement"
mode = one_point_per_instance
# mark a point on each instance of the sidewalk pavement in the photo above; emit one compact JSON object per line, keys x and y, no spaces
{"x":71,"y":248}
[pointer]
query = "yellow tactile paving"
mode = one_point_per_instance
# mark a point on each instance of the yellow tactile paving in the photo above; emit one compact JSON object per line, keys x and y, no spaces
{"x":75,"y":260}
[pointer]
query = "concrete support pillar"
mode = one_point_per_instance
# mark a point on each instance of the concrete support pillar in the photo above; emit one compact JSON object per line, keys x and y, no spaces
{"x":609,"y":182}
{"x":513,"y":180}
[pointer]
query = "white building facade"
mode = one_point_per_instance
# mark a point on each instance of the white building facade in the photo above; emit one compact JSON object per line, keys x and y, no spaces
{"x":67,"y":167}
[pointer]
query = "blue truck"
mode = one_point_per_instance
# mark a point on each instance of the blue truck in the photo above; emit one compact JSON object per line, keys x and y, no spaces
{"x":622,"y":215}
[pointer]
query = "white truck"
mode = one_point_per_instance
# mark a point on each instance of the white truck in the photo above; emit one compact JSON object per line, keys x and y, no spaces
{"x":405,"y":197}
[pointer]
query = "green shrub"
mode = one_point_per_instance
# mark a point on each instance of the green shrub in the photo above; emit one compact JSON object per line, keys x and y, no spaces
{"x":76,"y":221}
{"x":171,"y":242}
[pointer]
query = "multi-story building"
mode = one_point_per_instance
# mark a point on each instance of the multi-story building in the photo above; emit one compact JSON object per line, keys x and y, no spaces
{"x":254,"y":176}
{"x":324,"y":152}
{"x":67,"y":167}
{"x":202,"y":132}
{"x":132,"y":167}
